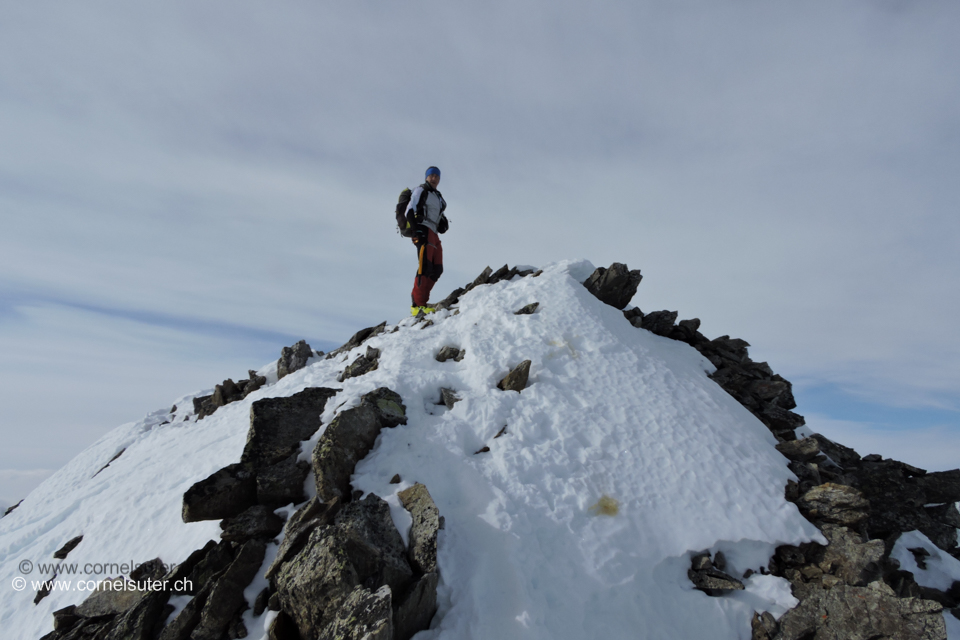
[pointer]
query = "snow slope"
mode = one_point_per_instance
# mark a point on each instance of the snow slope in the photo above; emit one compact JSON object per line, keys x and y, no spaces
{"x":609,"y":410}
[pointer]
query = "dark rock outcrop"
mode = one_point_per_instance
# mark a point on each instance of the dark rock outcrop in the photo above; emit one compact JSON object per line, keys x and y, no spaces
{"x":258,"y":522}
{"x":450,"y":353}
{"x":362,"y":365}
{"x":69,"y":546}
{"x":527,"y":309}
{"x":226,"y":493}
{"x":293,"y":359}
{"x":516,"y":380}
{"x":358,"y":339}
{"x":423,"y":532}
{"x":615,"y":286}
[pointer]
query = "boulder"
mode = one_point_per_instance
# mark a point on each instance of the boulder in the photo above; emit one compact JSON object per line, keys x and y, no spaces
{"x":298,"y":529}
{"x":941,"y":486}
{"x":708,"y":575}
{"x":349,"y":438}
{"x":449,"y":397}
{"x":516,"y":380}
{"x":860,"y":613}
{"x":362,"y":365}
{"x":69,"y":546}
{"x":278,"y":425}
{"x":358,"y":339}
{"x":140,"y":621}
{"x":834,"y":503}
{"x":423,"y":532}
{"x":660,"y":322}
{"x":282,"y":483}
{"x":450,"y":353}
{"x":615,"y":286}
{"x":293,"y":359}
{"x":373,"y":544}
{"x":848,"y":557}
{"x":110,"y":598}
{"x":256,"y":522}
{"x":418,"y":607}
{"x":800,"y":450}
{"x":527,"y":309}
{"x":226,"y":598}
{"x":364,"y":615}
{"x":226,"y":493}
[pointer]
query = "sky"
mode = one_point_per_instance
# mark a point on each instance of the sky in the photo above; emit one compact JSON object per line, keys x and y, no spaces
{"x":187,"y":188}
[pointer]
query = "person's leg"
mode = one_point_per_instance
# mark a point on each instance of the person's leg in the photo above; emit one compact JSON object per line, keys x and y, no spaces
{"x":429,"y":268}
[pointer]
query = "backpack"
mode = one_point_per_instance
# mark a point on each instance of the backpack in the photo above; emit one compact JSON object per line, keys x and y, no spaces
{"x":406,"y":229}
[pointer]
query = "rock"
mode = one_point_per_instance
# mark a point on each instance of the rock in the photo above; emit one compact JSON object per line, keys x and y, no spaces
{"x":140,"y":621}
{"x":834,"y":503}
{"x":362,"y":365}
{"x":349,"y":438}
{"x":11,"y":508}
{"x":298,"y":529}
{"x":358,"y":339}
{"x":763,"y":626}
{"x":256,"y":522}
{"x":228,"y":492}
{"x":450,"y":353}
{"x":361,"y":549}
{"x":516,"y":380}
{"x":110,"y":598}
{"x":765,"y":390}
{"x":941,"y":486}
{"x":282,"y":483}
{"x":365,"y":615}
{"x":204,"y":406}
{"x":615,"y":286}
{"x":226,"y":598}
{"x":417,"y":609}
{"x":150,"y":570}
{"x":423,"y":532}
{"x":69,"y":546}
{"x":449,"y":397}
{"x":660,"y":322}
{"x":848,"y":557}
{"x":253,"y":383}
{"x":945,"y":514}
{"x":64,"y":619}
{"x":860,"y":613}
{"x":897,"y":502}
{"x":780,"y":421}
{"x":713,"y":581}
{"x":838,"y":454}
{"x":395,"y":479}
{"x":278,"y":425}
{"x":800,"y":450}
{"x":189,"y":617}
{"x":634,"y":316}
{"x":226,"y":393}
{"x":527,"y":309}
{"x":293,"y":359}
{"x":483,"y":449}
{"x":216,"y":559}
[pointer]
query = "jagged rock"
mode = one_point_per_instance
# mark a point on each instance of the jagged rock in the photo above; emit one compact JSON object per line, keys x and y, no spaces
{"x":349,"y":438}
{"x":708,"y":575}
{"x":780,"y":421}
{"x":527,"y":309}
{"x":358,"y":338}
{"x":634,"y":316}
{"x":283,"y":628}
{"x":278,"y":425}
{"x":282,"y":483}
{"x":298,"y":529}
{"x":362,"y":548}
{"x":423,"y":532}
{"x":226,"y":597}
{"x":451,"y":299}
{"x":253,"y":383}
{"x":256,"y":522}
{"x":293,"y":358}
{"x":834,"y":503}
{"x":110,"y":598}
{"x":203,"y":406}
{"x":450,"y":353}
{"x":216,"y":558}
{"x":226,"y":493}
{"x":226,"y":392}
{"x":64,"y":619}
{"x":365,"y":615}
{"x":449,"y":397}
{"x":848,"y":557}
{"x":395,"y":479}
{"x":660,"y":322}
{"x":139,"y":622}
{"x":860,"y":613}
{"x":69,"y":546}
{"x":12,"y":507}
{"x":418,"y":608}
{"x":516,"y":380}
{"x":800,"y":450}
{"x":686,"y":331}
{"x":941,"y":486}
{"x":763,"y":626}
{"x":115,"y":456}
{"x":615,"y":286}
{"x":483,"y":278}
{"x":149,"y":570}
{"x":945,"y":514}
{"x":260,"y":603}
{"x":362,"y":365}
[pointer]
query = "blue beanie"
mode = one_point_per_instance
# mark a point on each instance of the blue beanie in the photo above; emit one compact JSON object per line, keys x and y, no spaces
{"x":432,"y":171}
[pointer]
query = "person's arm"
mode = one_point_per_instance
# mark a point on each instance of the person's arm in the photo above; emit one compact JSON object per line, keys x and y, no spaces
{"x":415,"y":199}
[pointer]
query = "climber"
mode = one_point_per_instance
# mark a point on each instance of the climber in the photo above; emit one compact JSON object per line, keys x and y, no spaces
{"x":425,"y":214}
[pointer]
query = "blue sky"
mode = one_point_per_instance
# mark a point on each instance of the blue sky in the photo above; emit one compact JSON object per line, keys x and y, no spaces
{"x":187,"y":188}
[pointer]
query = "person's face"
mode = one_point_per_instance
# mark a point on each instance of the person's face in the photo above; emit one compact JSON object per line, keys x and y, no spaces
{"x":433,"y":180}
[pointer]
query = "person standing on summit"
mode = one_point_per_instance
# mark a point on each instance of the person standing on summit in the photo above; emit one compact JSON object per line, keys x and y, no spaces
{"x":425,"y":215}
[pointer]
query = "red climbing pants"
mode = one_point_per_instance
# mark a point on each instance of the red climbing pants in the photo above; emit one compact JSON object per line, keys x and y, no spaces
{"x":429,"y":267}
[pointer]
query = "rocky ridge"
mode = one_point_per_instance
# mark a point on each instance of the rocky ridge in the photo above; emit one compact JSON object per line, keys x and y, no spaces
{"x":342,"y":569}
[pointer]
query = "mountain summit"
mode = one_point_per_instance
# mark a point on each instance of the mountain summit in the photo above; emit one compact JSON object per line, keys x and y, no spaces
{"x":530,"y":461}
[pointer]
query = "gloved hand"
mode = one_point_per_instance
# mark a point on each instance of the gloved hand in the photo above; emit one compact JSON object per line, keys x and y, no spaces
{"x":421,"y":233}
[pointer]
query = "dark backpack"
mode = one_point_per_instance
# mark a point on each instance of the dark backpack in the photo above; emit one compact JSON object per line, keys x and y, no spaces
{"x":406,"y":229}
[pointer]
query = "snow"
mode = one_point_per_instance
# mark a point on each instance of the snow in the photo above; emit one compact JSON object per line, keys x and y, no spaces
{"x":941,"y":570}
{"x":609,"y":410}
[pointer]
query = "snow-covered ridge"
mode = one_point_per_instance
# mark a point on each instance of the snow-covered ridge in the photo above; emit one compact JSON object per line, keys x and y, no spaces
{"x":609,"y":410}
